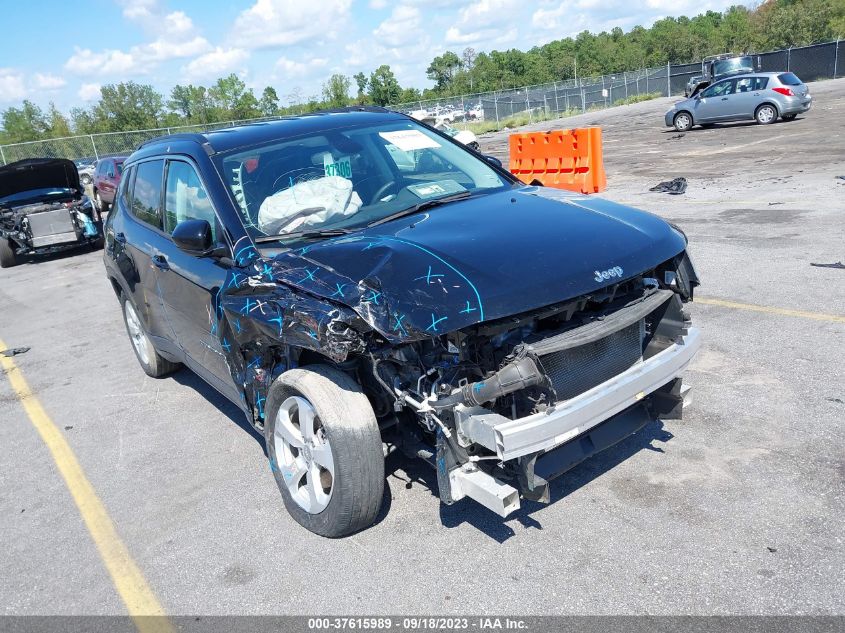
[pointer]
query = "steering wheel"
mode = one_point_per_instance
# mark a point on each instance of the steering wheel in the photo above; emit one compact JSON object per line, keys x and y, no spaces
{"x":378,"y":195}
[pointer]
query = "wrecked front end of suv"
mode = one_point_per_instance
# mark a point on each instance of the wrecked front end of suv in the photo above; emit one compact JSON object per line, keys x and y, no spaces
{"x":42,"y":209}
{"x":502,"y":366}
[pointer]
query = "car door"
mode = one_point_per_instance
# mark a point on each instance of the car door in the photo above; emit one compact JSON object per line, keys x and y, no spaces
{"x":747,"y":96}
{"x":714,"y":103}
{"x":190,"y":283}
{"x":137,"y":239}
{"x":107,"y":186}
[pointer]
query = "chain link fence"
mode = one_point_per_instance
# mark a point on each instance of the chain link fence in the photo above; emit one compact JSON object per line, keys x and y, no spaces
{"x":488,"y":110}
{"x":105,"y":144}
{"x":551,"y":100}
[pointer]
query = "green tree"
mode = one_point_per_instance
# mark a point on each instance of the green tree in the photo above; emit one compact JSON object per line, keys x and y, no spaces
{"x":58,"y":125}
{"x":362,"y":82}
{"x":336,"y":91}
{"x":128,"y":106}
{"x":443,"y":68}
{"x":269,"y":102}
{"x":225,"y":94}
{"x":26,"y":123}
{"x":191,"y":102}
{"x":384,"y":88}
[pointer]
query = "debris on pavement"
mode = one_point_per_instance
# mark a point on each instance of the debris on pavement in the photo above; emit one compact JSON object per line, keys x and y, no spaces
{"x":676,"y":136}
{"x":838,"y":265}
{"x":673,"y":187}
{"x":14,"y":351}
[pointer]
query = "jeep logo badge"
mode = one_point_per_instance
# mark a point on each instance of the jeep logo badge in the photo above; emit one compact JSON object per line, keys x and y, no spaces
{"x":610,"y":273}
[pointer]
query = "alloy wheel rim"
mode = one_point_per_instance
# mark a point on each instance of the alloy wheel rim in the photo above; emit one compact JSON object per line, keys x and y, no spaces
{"x":304,"y":454}
{"x":136,"y":334}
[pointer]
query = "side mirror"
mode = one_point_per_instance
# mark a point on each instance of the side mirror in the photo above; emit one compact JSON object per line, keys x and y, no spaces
{"x":493,"y":161}
{"x":193,"y":236}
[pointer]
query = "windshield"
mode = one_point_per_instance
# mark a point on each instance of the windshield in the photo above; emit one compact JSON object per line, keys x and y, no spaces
{"x":38,"y":194}
{"x":738,"y":64}
{"x":348,"y":178}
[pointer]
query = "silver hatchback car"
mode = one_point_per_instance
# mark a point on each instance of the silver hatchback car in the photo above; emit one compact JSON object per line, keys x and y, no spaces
{"x":760,"y":96}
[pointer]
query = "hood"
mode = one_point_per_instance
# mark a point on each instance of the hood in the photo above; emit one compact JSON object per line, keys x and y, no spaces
{"x":38,"y":173}
{"x":479,"y":259}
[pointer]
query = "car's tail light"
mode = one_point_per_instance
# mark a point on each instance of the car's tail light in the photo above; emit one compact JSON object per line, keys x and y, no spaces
{"x":786,"y":92}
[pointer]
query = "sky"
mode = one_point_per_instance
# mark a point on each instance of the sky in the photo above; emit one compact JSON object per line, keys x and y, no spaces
{"x":60,"y":51}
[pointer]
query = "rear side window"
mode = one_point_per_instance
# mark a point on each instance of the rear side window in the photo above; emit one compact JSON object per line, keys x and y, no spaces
{"x":748,"y":84}
{"x":122,"y":192}
{"x":789,"y":79}
{"x":146,"y":193}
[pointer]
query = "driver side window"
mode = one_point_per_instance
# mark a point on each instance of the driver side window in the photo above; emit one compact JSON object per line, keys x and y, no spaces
{"x":187,"y":199}
{"x":720,"y":89}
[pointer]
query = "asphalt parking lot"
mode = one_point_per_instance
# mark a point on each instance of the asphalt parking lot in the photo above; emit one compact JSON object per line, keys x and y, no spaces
{"x":737,"y":509}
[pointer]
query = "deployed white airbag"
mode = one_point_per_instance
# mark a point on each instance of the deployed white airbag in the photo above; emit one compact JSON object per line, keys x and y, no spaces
{"x":308,"y":205}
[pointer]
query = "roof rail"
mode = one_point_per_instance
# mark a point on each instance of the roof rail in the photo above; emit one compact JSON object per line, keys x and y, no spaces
{"x":183,"y":136}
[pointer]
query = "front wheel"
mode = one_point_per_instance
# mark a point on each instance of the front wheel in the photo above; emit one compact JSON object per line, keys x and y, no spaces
{"x":766,"y":114}
{"x":325,"y":450}
{"x":682,"y":121}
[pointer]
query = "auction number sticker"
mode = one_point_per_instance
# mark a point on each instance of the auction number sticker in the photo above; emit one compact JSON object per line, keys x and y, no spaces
{"x":409,"y":140}
{"x":341,"y":167}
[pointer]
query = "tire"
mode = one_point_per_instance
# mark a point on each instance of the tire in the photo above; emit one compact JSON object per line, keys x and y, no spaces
{"x":345,"y":435}
{"x":789,"y":117}
{"x":7,"y":254}
{"x":151,"y":361}
{"x":102,"y":207}
{"x":682,"y":121}
{"x":766,"y":114}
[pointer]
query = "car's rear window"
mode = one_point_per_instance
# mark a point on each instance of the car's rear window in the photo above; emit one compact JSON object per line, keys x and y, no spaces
{"x":789,"y":79}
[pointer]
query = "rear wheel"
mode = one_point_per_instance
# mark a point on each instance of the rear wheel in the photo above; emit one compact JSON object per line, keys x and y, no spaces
{"x":789,"y":117}
{"x":102,"y":206}
{"x":325,"y":450}
{"x":682,"y":121}
{"x":766,"y":114}
{"x":7,"y":254}
{"x":151,"y":361}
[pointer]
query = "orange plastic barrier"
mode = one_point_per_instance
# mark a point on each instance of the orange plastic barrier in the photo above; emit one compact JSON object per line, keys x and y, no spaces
{"x":565,"y":159}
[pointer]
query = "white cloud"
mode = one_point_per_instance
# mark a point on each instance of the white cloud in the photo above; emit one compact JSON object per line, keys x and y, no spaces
{"x":377,"y":5}
{"x":89,"y":92}
{"x":289,"y":69}
{"x":401,"y":29}
{"x":12,"y":87}
{"x":215,"y":63}
{"x":84,"y":62}
{"x":277,"y":23}
{"x":485,"y":22}
{"x":47,"y":81}
{"x":176,"y":37}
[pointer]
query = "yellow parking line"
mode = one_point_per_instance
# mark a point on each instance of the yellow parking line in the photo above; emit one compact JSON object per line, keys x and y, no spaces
{"x":816,"y":316}
{"x":127,"y":578}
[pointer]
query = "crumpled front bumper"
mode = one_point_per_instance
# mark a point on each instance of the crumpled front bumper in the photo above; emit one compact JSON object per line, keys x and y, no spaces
{"x":511,"y":439}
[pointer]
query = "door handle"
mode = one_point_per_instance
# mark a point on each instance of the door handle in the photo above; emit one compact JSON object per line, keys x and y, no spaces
{"x":120,"y":238}
{"x":160,"y":261}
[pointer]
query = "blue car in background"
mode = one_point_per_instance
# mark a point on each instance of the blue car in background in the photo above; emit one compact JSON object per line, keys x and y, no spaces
{"x":761,"y":97}
{"x":359,"y":283}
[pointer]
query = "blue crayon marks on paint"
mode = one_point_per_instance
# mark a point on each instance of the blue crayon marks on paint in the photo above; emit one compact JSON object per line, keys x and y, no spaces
{"x":373,"y":297}
{"x":309,"y":275}
{"x":339,"y":291}
{"x":398,"y":327}
{"x":312,"y":334}
{"x":278,"y":321}
{"x":237,"y":324}
{"x":434,"y":323}
{"x":254,"y":363}
{"x":468,"y":309}
{"x":273,"y":466}
{"x":259,"y":402}
{"x":267,"y":270}
{"x":234,"y":281}
{"x":478,"y":387}
{"x":428,"y":276}
{"x":371,"y":245}
{"x":226,"y":345}
{"x":248,"y":306}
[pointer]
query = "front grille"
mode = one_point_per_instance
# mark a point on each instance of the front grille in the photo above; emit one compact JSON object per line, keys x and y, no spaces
{"x":50,"y":223}
{"x":574,"y":371}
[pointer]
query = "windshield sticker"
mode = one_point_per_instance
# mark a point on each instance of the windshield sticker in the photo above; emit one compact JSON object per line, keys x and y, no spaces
{"x":409,"y":140}
{"x":341,"y":167}
{"x":436,"y":189}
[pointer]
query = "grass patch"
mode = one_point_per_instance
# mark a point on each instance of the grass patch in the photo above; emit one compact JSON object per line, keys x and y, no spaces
{"x":647,"y":96}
